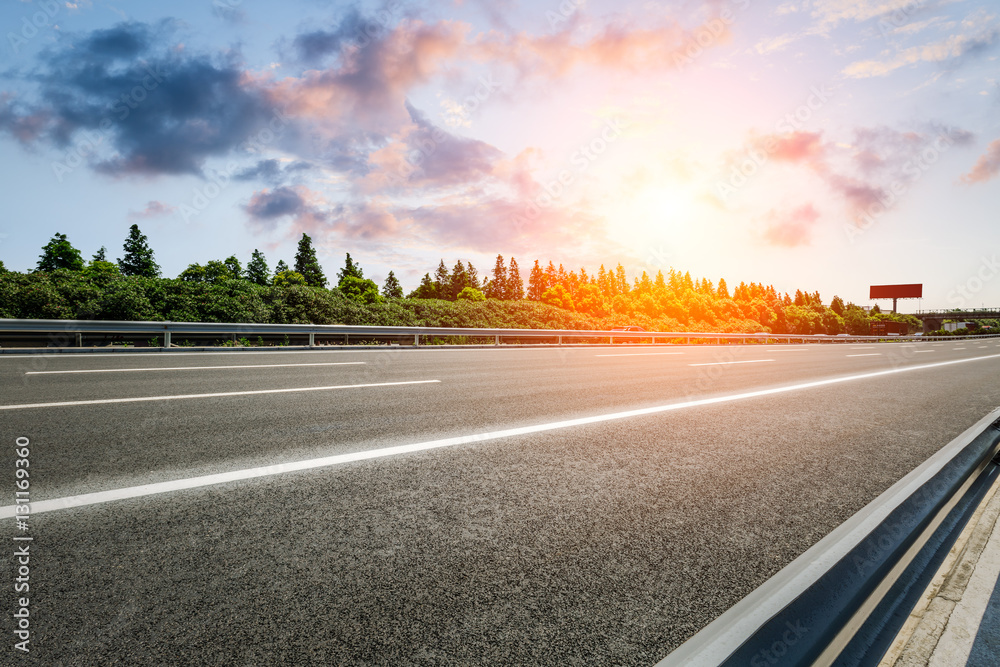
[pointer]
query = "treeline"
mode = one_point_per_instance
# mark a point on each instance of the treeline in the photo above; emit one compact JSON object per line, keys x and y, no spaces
{"x":63,"y":286}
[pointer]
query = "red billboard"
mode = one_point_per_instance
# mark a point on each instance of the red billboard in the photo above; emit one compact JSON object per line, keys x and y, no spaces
{"x":896,"y":292}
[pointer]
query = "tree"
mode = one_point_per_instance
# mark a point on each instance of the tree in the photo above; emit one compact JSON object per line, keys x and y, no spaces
{"x":459,"y":280}
{"x":498,"y":286}
{"x":536,"y":283}
{"x":234,"y":267}
{"x":101,"y":255}
{"x":59,"y":253}
{"x":441,"y":280}
{"x":470,"y":294}
{"x":558,"y":296}
{"x":288,"y":278}
{"x":361,"y":290}
{"x":138,"y":259}
{"x":257,"y":271}
{"x":280,"y":268}
{"x":426,"y":289}
{"x":392,"y":289}
{"x":307,"y":265}
{"x":515,"y":286}
{"x":723,"y":289}
{"x":837,"y":305}
{"x":350,"y":269}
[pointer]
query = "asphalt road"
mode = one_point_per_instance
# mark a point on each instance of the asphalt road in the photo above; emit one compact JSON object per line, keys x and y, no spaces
{"x":598,"y":543}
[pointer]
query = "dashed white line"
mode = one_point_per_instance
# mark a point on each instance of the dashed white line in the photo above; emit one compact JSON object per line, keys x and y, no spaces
{"x":140,"y":399}
{"x":869,"y":354}
{"x":68,"y":502}
{"x":727,"y":363}
{"x":194,"y":368}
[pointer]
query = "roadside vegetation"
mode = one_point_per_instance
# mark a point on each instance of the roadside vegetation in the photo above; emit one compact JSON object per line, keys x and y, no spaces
{"x":65,"y":286}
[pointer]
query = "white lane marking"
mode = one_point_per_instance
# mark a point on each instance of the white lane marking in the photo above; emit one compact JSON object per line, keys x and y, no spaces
{"x":982,"y":347}
{"x":922,"y":351}
{"x":869,"y":347}
{"x":243,"y":354}
{"x":958,"y":348}
{"x":67,"y":502}
{"x":636,"y":354}
{"x":140,"y":399}
{"x":869,"y":354}
{"x":726,"y":363}
{"x":194,"y":368}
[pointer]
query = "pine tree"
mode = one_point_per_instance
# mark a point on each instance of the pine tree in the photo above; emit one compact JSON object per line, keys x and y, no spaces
{"x":101,"y":255}
{"x":280,"y":268}
{"x":350,"y":269}
{"x":441,"y":280}
{"x":621,"y":280}
{"x":497,"y":288}
{"x":392,"y":289}
{"x":257,"y":271}
{"x":515,"y":286}
{"x":426,"y":289}
{"x":536,"y":283}
{"x":138,"y":259}
{"x":459,"y":280}
{"x":307,"y":264}
{"x":59,"y":253}
{"x":473,"y":276}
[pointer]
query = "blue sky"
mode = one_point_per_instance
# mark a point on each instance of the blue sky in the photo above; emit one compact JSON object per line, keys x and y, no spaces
{"x":825,"y":145}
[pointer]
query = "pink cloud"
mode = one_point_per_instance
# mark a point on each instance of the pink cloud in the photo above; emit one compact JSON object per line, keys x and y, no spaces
{"x":791,"y":229}
{"x":986,"y":167}
{"x":153,"y":209}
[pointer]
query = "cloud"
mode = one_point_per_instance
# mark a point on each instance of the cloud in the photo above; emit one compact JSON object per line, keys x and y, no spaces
{"x":140,"y":106}
{"x":153,"y":209}
{"x":272,"y":171}
{"x":790,"y":229}
{"x":951,"y":51}
{"x":986,"y":167}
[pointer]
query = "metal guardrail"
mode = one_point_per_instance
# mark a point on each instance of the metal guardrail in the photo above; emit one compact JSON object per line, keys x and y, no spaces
{"x":844,"y":600}
{"x":67,"y":333}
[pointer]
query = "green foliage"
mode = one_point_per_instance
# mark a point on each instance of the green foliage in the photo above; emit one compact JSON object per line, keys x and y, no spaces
{"x":471,"y":294}
{"x":350,"y":270}
{"x":426,"y":290}
{"x":361,"y":290}
{"x":559,"y":296}
{"x":101,"y":272}
{"x":288,"y":278}
{"x":101,"y":255}
{"x":392,"y":289}
{"x":307,"y":265}
{"x":138,"y":259}
{"x":59,"y":253}
{"x":257,"y":271}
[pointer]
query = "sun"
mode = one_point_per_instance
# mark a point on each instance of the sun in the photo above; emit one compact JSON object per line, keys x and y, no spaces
{"x":653,"y":212}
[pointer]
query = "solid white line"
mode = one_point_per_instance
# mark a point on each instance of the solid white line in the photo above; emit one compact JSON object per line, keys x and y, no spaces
{"x":958,"y":348}
{"x":870,"y":347}
{"x":800,"y":349}
{"x":250,"y":473}
{"x":636,"y":354}
{"x":726,"y":363}
{"x":922,"y":351}
{"x":140,"y":399}
{"x":194,"y":368}
{"x":870,"y":354}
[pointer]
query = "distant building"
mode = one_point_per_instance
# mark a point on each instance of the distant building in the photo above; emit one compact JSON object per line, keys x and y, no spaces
{"x":955,"y":326}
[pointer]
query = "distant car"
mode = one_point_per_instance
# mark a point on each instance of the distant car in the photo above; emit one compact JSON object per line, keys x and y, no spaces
{"x":843,"y":334}
{"x":627,"y":329}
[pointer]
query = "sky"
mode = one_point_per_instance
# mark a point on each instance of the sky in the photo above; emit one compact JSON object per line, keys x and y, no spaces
{"x":823,"y":145}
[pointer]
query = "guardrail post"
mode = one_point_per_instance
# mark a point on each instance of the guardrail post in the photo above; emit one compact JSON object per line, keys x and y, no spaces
{"x":560,"y":340}
{"x":416,"y":339}
{"x":345,"y":339}
{"x":496,"y":339}
{"x":79,"y":340}
{"x":166,"y":339}
{"x":611,"y":339}
{"x":312,"y":339}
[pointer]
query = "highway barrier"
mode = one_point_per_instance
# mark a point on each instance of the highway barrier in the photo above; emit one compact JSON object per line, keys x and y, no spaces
{"x":844,"y":600}
{"x":19,"y":335}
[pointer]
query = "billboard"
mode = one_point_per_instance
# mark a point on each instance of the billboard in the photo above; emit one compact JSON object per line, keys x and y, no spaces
{"x":896,"y":291}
